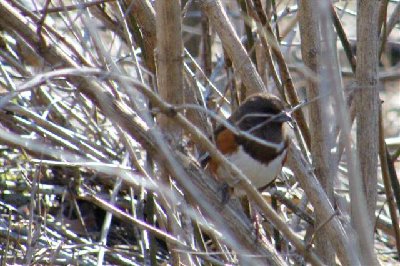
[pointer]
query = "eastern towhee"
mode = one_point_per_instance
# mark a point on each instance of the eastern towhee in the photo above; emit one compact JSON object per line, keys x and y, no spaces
{"x":263,"y":116}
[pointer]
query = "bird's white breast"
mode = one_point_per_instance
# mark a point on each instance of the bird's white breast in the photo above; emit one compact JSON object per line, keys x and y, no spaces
{"x":258,"y":173}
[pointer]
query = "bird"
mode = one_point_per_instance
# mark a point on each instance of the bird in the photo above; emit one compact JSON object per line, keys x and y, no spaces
{"x":263,"y":116}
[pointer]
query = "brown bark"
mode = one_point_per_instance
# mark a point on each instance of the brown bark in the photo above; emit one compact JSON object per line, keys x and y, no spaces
{"x":232,"y":45}
{"x":144,"y":14}
{"x":318,"y":116}
{"x":169,"y":60}
{"x":367,"y":103}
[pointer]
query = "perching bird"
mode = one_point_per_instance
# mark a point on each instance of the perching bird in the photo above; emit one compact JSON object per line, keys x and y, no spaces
{"x":263,"y":116}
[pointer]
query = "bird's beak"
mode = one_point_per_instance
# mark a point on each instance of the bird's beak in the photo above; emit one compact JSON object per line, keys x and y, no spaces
{"x":283,"y":117}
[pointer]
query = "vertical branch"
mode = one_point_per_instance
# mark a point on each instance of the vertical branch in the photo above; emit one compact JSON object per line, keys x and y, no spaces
{"x":169,"y":68}
{"x":386,"y":181}
{"x":169,"y":61}
{"x":367,"y":110}
{"x":206,"y":47}
{"x":367,"y":99}
{"x":320,"y":148}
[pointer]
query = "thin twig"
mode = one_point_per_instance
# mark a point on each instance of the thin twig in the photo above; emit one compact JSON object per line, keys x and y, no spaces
{"x":68,"y":8}
{"x":387,"y":183}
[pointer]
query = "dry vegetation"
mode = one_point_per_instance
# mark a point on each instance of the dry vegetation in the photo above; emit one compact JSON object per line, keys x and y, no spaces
{"x":106,"y":107}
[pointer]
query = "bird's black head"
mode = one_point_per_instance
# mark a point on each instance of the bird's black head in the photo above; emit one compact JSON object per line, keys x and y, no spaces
{"x":260,"y":109}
